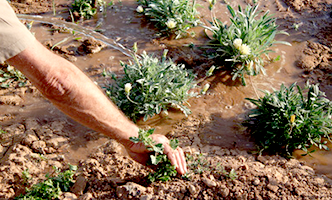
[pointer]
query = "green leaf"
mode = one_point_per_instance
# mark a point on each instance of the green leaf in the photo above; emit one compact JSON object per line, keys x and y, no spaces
{"x":174,"y":143}
{"x":158,"y":148}
{"x":157,"y":86}
{"x":274,"y":130}
{"x":165,"y":170}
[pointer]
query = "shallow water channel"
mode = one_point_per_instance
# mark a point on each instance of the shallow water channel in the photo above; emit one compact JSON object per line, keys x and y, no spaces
{"x":224,"y":103}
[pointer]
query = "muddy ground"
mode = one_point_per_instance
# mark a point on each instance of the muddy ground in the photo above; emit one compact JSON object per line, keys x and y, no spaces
{"x":217,"y":170}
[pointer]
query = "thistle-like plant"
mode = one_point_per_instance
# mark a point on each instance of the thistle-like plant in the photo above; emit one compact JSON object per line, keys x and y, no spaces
{"x":86,"y":8}
{"x":171,"y":16}
{"x":150,"y":85}
{"x":244,"y":41}
{"x":165,"y":170}
{"x":288,"y":119}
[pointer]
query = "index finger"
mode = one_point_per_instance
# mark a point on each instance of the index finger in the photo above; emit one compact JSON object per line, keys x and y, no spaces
{"x":177,"y":159}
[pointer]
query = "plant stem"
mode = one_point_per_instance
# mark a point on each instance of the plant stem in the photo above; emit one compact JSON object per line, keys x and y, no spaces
{"x":53,"y":5}
{"x":253,"y":86}
{"x":131,"y":100}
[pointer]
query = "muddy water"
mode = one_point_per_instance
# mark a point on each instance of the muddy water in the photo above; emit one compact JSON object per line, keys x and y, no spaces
{"x":224,"y":102}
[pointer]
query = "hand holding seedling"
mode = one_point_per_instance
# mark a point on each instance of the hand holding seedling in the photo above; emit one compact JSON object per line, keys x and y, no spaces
{"x":147,"y":143}
{"x":70,"y":90}
{"x":76,"y":95}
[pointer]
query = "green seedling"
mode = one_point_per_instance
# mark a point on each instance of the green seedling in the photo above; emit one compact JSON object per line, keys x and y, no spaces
{"x":52,"y":187}
{"x":197,"y":163}
{"x":150,"y":86}
{"x":165,"y":170}
{"x":110,"y":4}
{"x":232,"y":174}
{"x":291,"y":118}
{"x":9,"y":75}
{"x":244,"y":42}
{"x":221,"y":170}
{"x":26,"y":176}
{"x":86,"y":8}
{"x":170,"y":16}
{"x":2,"y":132}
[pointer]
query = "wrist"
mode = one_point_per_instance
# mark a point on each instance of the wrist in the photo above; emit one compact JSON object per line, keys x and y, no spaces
{"x":125,"y":139}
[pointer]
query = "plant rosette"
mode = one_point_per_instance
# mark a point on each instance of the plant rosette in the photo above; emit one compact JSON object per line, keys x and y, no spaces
{"x":291,"y":118}
{"x":86,"y":8}
{"x":245,"y":41}
{"x":150,"y":86}
{"x":171,"y":17}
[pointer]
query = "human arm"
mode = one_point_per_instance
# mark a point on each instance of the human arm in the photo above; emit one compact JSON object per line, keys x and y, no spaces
{"x":70,"y":90}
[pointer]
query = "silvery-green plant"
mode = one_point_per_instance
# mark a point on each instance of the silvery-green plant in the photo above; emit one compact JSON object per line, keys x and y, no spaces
{"x":9,"y":76}
{"x":151,"y":85}
{"x":86,"y":8}
{"x":245,"y":41}
{"x":171,"y":16}
{"x":291,"y":118}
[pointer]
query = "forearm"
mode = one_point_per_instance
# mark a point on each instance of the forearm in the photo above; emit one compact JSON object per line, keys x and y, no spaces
{"x":69,"y":89}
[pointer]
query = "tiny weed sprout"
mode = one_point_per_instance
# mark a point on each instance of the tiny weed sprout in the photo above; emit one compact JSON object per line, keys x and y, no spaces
{"x":2,"y":132}
{"x":26,"y":176}
{"x":245,"y":41}
{"x":86,"y":8}
{"x":165,"y":170}
{"x":52,"y":187}
{"x":9,"y":76}
{"x":289,"y":119}
{"x":198,"y":164}
{"x":150,"y":86}
{"x":232,"y":174}
{"x":171,"y":17}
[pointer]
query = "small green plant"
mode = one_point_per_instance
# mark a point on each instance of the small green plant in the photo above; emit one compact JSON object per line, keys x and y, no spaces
{"x":86,"y":8}
{"x":150,"y":85}
{"x":52,"y":187}
{"x":9,"y":75}
{"x":197,"y":163}
{"x":288,"y":119}
{"x":2,"y":131}
{"x":165,"y":170}
{"x":244,"y":41}
{"x":26,"y":176}
{"x":232,"y":174}
{"x":171,"y":16}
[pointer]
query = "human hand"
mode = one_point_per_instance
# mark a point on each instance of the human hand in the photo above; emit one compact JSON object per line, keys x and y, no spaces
{"x":140,"y":154}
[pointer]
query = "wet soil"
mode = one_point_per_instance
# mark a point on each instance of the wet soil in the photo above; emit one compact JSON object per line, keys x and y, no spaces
{"x":222,"y":161}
